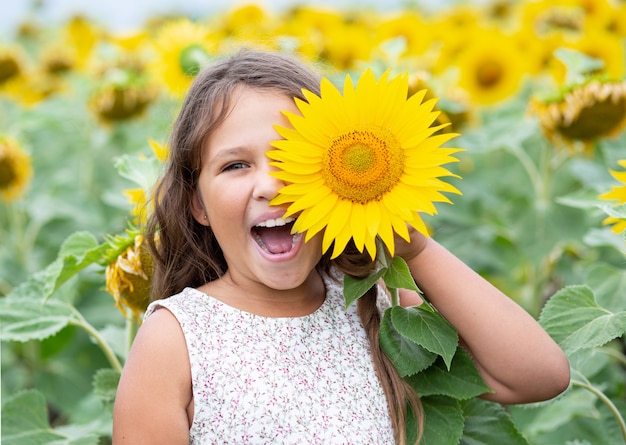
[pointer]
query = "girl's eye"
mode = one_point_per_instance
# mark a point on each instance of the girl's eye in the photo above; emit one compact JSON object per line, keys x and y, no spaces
{"x":235,"y":166}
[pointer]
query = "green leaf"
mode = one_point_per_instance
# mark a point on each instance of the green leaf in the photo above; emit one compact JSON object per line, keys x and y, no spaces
{"x":143,"y":171}
{"x":354,"y":288}
{"x":25,"y":420}
{"x":575,"y":320}
{"x":105,"y":383}
{"x":443,"y":421}
{"x":23,"y":319}
{"x":461,"y":382}
{"x":487,"y":423}
{"x":426,"y":327}
{"x":616,"y":211}
{"x":78,"y":251}
{"x":407,"y":356}
{"x":578,"y":64}
{"x":398,"y":276}
{"x":609,"y":286}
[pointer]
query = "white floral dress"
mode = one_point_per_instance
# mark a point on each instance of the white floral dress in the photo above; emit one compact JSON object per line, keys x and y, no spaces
{"x":261,"y":380}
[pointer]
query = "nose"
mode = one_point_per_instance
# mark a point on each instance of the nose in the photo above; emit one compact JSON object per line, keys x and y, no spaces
{"x":266,"y":186}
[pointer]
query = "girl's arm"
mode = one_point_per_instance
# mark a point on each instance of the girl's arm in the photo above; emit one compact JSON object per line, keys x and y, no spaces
{"x":516,"y":358}
{"x":154,"y":393}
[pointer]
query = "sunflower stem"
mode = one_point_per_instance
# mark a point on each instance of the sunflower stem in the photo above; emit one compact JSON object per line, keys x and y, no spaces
{"x":395,"y":296}
{"x":604,"y":399}
{"x":100,"y":341}
{"x":131,"y":330}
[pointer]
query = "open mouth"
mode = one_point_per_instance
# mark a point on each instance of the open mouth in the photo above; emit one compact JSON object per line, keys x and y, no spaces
{"x":274,"y":235}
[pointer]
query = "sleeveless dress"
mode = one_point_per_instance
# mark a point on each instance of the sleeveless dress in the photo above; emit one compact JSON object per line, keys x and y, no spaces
{"x":263,"y":380}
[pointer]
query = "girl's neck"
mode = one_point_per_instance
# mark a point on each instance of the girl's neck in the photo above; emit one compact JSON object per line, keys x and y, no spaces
{"x":260,"y":300}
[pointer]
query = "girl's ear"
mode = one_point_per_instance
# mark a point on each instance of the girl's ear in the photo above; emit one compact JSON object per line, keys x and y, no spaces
{"x":197,"y":210}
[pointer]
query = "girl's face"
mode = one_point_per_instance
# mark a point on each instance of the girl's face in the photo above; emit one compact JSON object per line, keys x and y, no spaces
{"x":234,"y":191}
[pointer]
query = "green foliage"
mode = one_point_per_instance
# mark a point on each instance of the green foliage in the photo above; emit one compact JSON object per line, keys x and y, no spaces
{"x":529,"y":220}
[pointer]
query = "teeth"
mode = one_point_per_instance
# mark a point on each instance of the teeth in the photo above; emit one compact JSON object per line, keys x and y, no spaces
{"x":275,"y":222}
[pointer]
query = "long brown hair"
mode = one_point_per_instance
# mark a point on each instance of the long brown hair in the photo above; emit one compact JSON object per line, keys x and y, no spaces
{"x":186,"y":253}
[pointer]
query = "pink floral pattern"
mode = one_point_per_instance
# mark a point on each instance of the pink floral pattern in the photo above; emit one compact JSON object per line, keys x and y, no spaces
{"x":260,"y":380}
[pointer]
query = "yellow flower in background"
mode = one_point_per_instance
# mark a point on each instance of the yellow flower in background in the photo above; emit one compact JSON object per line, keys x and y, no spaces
{"x":11,"y":64}
{"x":543,"y":17}
{"x":182,"y":49}
{"x":160,"y":151}
{"x":128,"y":276}
{"x":617,"y":193}
{"x":363,"y":164}
{"x":124,"y":92}
{"x":491,"y":68}
{"x":345,"y":46}
{"x":605,"y":47}
{"x":584,"y":112}
{"x":409,"y":26}
{"x":82,"y":37}
{"x":15,"y":169}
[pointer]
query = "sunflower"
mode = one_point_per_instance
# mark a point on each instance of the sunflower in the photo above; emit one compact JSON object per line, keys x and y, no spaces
{"x":583,"y":112}
{"x":124,"y":93}
{"x":491,"y":68}
{"x":11,"y":64}
{"x":617,"y":193}
{"x":15,"y":169}
{"x":128,"y":276}
{"x":182,"y":49}
{"x":363,"y":164}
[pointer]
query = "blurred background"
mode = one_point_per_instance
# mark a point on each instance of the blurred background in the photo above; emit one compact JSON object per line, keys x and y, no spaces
{"x":535,"y":90}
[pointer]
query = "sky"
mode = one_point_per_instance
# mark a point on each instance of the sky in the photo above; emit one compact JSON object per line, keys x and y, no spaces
{"x":121,"y":15}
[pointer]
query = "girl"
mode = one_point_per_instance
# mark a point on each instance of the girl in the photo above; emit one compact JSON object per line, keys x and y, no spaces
{"x":248,"y":340}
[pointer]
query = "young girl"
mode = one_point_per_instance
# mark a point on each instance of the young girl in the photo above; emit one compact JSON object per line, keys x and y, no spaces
{"x":248,"y":340}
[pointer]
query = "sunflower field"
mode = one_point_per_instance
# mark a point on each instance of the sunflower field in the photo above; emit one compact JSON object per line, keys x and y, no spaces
{"x":536,"y":90}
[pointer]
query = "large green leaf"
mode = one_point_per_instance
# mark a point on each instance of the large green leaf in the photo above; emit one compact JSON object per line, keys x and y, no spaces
{"x":105,"y":383}
{"x":23,"y":319}
{"x":575,"y":320}
{"x":487,"y":423}
{"x":79,"y":250}
{"x":407,"y":356}
{"x":462,"y":381}
{"x":443,"y":421}
{"x":25,"y":422}
{"x":609,"y":286}
{"x":427,"y":328}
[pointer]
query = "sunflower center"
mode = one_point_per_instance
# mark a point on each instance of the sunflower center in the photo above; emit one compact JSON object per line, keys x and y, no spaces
{"x":489,"y":74}
{"x":363,"y":165}
{"x":8,"y":68}
{"x":192,"y":59}
{"x":7,"y":173}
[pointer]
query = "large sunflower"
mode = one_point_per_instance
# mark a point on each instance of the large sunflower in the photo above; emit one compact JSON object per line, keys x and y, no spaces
{"x":363,"y":164}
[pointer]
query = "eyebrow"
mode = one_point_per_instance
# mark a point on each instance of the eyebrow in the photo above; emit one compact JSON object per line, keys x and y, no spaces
{"x":228,"y":152}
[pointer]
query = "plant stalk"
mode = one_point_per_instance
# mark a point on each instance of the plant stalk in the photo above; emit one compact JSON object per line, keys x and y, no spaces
{"x":600,"y":395}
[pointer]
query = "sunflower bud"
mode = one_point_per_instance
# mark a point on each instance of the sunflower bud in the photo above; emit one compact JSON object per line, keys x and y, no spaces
{"x":584,"y":112}
{"x":128,"y":278}
{"x":123,"y":95}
